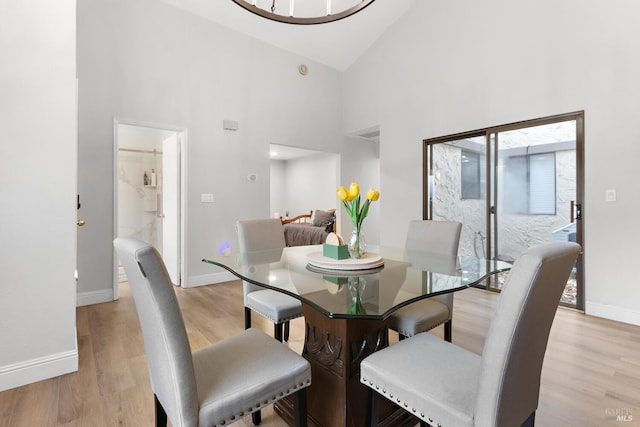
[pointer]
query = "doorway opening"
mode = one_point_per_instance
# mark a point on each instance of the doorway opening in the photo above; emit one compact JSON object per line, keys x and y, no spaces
{"x":149,"y":181}
{"x":301,"y":180}
{"x":513,"y":187}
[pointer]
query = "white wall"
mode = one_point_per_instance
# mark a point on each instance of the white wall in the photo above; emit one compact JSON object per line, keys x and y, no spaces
{"x":278,"y":176}
{"x":147,"y":61}
{"x":359,"y":162}
{"x":37,"y":189}
{"x":454,"y":66}
{"x":311,"y":183}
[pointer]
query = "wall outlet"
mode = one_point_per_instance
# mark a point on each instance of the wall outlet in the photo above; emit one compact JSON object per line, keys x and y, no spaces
{"x":206,"y":198}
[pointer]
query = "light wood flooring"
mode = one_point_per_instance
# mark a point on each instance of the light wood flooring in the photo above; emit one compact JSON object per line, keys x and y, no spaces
{"x":591,"y":371}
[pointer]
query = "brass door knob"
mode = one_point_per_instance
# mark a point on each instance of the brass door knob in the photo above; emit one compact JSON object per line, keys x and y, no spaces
{"x":80,"y":222}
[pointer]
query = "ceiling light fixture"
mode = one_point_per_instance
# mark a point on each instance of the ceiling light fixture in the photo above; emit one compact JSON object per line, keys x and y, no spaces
{"x":304,"y":12}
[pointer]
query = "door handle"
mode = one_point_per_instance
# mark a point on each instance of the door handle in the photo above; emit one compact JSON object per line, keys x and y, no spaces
{"x":80,"y":222}
{"x":576,"y":211}
{"x":573,"y":211}
{"x":161,"y":215}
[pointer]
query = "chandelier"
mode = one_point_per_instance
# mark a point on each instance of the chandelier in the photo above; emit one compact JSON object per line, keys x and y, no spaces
{"x":304,"y":12}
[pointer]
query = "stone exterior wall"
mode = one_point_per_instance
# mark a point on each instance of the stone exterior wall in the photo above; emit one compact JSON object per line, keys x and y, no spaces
{"x":516,"y":232}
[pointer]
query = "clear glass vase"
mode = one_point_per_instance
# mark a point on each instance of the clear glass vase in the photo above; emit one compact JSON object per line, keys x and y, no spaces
{"x":356,"y":243}
{"x":356,"y":287}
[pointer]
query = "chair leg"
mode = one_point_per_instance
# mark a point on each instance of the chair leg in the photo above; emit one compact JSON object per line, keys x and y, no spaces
{"x":286,"y":331}
{"x":247,"y":317}
{"x":300,"y":408}
{"x":161,"y":415}
{"x":372,"y":408}
{"x":447,"y":331}
{"x":256,"y":417}
{"x":277,"y":331}
{"x":530,"y":421}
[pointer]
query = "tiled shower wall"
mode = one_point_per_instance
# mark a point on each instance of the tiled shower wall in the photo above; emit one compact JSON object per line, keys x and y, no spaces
{"x":138,"y":203}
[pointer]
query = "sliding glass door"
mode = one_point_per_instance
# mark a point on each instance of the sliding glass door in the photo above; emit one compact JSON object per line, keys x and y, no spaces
{"x":458,"y":189}
{"x":512,"y":187}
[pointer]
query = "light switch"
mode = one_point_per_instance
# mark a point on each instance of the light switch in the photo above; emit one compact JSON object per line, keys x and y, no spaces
{"x":610,"y":195}
{"x":206,"y":198}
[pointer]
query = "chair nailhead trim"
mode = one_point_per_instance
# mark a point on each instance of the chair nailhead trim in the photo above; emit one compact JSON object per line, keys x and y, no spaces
{"x":260,"y":405}
{"x":286,"y":319}
{"x":400,"y":402}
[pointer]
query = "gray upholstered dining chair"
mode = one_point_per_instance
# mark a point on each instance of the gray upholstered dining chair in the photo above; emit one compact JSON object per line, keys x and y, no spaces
{"x":443,"y":384}
{"x":260,"y":235}
{"x":215,"y":385}
{"x":437,"y":237}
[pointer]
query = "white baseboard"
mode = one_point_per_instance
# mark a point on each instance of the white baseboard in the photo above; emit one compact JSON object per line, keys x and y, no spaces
{"x":106,"y":295}
{"x":208,"y":279}
{"x":612,"y":312}
{"x":34,"y":370}
{"x":94,"y":297}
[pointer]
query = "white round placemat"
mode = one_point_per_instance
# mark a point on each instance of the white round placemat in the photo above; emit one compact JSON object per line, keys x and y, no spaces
{"x":368,"y":260}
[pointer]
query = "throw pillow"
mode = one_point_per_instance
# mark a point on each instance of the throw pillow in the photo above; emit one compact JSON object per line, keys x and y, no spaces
{"x":320,"y":218}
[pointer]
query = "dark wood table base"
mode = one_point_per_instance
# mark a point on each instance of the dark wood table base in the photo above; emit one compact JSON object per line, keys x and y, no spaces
{"x":335,"y":348}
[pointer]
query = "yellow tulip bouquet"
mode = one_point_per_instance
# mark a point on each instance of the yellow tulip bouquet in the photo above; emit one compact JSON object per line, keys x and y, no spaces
{"x":351,"y":200}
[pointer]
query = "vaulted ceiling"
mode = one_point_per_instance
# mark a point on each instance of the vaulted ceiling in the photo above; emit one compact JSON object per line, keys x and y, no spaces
{"x":337,"y":44}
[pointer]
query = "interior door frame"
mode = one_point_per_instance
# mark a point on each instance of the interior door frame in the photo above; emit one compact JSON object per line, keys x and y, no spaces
{"x":492,"y":181}
{"x":182,"y":142}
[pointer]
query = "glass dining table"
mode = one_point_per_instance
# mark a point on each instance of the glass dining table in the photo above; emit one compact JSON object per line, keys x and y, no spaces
{"x":345,"y":305}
